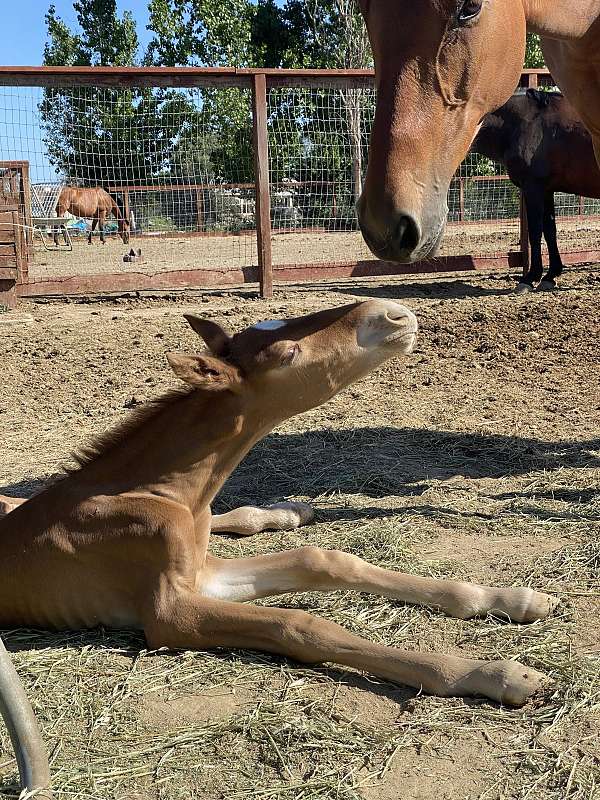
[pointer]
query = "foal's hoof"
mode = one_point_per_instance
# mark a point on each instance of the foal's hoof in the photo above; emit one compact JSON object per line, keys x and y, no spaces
{"x":292,"y":515}
{"x":524,"y":288}
{"x":546,"y":286}
{"x":507,"y":682}
{"x":522,"y":604}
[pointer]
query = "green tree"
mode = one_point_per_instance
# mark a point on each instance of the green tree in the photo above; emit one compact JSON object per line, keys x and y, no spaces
{"x":102,"y":136}
{"x":534,"y":58}
{"x":263,"y":34}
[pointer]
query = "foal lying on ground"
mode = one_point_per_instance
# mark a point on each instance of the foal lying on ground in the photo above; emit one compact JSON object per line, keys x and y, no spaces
{"x":122,"y":540}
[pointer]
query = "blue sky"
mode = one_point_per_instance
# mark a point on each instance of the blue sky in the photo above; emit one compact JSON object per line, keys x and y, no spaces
{"x":22,"y":44}
{"x":24,"y":30}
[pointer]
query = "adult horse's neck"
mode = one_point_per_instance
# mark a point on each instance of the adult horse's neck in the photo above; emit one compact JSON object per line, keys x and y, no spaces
{"x":561,"y":19}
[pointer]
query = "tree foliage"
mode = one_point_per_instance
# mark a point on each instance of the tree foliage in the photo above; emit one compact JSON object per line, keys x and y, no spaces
{"x":102,"y":136}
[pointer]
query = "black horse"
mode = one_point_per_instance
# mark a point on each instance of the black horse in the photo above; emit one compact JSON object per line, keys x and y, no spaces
{"x":545,"y":148}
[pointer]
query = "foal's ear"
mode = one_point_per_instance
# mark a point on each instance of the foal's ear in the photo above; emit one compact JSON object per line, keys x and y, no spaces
{"x":217,"y":339}
{"x":205,"y":372}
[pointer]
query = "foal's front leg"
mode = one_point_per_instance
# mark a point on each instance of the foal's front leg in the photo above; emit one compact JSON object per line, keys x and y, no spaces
{"x":182,"y":619}
{"x":316,"y":569}
{"x":249,"y":520}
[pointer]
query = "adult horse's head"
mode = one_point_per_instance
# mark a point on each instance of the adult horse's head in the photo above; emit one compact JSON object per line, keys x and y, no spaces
{"x":440,"y":66}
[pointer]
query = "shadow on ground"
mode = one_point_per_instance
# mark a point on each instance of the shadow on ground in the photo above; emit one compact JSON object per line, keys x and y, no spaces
{"x":383,"y":461}
{"x":379,"y":462}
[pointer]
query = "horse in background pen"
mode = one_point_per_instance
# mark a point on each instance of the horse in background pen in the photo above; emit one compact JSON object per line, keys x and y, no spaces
{"x":545,"y":148}
{"x":93,"y":203}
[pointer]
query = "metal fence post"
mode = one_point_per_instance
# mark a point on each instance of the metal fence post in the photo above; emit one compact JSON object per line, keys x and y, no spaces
{"x":261,"y":176}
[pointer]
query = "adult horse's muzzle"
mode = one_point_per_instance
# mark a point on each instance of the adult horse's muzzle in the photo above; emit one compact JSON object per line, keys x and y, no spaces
{"x":400,"y":236}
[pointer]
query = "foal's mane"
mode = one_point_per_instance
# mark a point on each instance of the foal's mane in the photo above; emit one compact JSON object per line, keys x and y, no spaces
{"x":108,"y":441}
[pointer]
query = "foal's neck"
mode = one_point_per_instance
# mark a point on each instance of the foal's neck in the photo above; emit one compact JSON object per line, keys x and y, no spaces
{"x":185,"y":451}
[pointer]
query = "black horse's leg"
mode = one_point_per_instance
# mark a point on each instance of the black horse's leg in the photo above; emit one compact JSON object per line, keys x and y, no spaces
{"x":101,"y":220}
{"x":92,"y":229}
{"x":533,"y":195}
{"x":556,"y":264}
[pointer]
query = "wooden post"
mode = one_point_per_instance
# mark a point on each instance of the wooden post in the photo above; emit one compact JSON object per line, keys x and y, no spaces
{"x":524,"y":246}
{"x":126,"y":207}
{"x":26,"y":215}
{"x":461,"y":199}
{"x":261,"y":176}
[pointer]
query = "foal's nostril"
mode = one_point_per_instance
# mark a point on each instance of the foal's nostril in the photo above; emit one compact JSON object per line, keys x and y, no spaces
{"x":407,"y":234}
{"x":399,"y":316}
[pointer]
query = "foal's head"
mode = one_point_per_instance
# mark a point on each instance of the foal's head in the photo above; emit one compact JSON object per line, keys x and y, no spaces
{"x":440,"y":66}
{"x":284,"y":367}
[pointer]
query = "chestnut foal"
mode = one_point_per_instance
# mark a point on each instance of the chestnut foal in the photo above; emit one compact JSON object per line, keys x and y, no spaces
{"x":122,"y":540}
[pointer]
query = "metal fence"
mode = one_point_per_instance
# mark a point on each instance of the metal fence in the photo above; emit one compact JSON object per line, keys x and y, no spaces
{"x":230,"y":176}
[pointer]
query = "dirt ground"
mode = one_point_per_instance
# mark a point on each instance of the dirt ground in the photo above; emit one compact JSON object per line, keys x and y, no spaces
{"x":476,"y":457}
{"x":228,"y":252}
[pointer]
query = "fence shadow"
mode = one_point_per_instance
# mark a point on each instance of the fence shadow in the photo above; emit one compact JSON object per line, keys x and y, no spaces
{"x":434,"y":290}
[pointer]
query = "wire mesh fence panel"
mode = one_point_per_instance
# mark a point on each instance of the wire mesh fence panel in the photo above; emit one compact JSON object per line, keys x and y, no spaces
{"x":318,"y":146}
{"x":177,"y":163}
{"x":577,"y":222}
{"x":483,"y":218}
{"x":176,"y":169}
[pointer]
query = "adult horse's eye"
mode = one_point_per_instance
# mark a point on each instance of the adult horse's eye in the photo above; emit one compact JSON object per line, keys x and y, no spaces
{"x":469,"y":10}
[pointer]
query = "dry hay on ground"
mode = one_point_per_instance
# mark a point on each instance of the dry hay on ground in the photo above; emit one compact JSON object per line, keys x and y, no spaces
{"x":477,"y":457}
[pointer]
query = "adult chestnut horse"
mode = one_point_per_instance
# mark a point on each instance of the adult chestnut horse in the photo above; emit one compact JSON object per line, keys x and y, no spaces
{"x":440,"y":66}
{"x":92,"y":203}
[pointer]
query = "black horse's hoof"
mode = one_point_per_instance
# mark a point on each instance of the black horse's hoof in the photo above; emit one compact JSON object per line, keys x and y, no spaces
{"x":546,"y":286}
{"x":524,"y":288}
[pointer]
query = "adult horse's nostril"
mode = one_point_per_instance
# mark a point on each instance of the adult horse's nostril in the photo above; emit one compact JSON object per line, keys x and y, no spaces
{"x":407,"y":235}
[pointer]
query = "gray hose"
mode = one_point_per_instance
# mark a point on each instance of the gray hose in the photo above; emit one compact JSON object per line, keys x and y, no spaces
{"x":24,"y":732}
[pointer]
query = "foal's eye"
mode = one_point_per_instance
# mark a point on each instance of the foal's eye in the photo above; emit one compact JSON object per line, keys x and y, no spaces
{"x":290,"y":355}
{"x":469,"y":10}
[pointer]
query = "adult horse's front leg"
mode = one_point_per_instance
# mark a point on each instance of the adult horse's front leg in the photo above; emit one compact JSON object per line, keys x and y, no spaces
{"x":249,"y":520}
{"x":184,"y":620}
{"x":533,"y":195}
{"x":101,"y":221}
{"x":556,"y":265}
